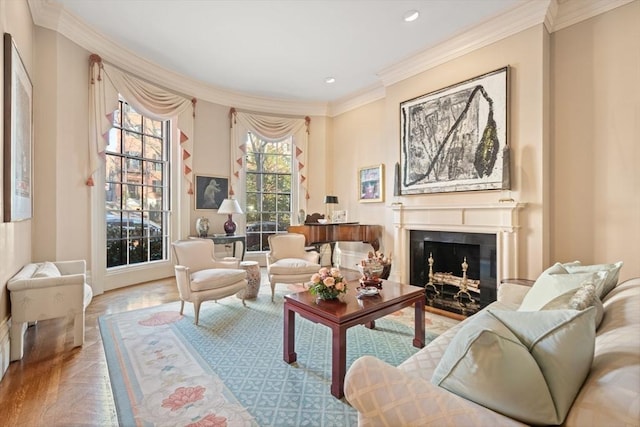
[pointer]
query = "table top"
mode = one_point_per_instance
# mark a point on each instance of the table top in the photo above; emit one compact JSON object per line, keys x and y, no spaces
{"x":353,"y":307}
{"x":221,"y":237}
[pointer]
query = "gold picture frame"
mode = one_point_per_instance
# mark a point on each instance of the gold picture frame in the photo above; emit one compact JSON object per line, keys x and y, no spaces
{"x":371,"y":184}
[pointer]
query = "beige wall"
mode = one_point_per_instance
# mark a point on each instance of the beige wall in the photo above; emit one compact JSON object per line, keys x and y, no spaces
{"x":371,"y":135}
{"x":596,"y":140}
{"x":15,"y":237}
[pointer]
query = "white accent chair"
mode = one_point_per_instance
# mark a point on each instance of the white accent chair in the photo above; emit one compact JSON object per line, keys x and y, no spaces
{"x":48,"y":290}
{"x":288,"y":261}
{"x":200,"y":277}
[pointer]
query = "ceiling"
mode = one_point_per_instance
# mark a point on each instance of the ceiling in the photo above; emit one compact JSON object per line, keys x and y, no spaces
{"x":282,"y":49}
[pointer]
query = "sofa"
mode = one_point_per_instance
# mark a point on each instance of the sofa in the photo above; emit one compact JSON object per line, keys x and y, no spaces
{"x":48,"y":290}
{"x":598,"y":363}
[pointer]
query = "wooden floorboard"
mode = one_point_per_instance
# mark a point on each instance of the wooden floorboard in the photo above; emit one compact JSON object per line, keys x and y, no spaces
{"x":56,"y":384}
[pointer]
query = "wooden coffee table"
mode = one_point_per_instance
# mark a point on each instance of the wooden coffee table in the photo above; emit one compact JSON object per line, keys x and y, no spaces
{"x":341,"y":315}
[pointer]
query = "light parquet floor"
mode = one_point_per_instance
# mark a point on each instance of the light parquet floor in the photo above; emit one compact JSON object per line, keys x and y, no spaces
{"x":56,"y":385}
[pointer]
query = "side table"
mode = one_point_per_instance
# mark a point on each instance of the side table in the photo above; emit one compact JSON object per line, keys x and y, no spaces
{"x":253,"y":280}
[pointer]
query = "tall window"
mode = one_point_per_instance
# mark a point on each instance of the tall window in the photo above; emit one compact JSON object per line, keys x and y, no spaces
{"x":137,"y":189}
{"x":269,"y":172}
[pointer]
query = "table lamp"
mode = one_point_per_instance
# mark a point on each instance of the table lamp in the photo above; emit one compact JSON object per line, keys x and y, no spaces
{"x":230,"y":207}
{"x":331,"y":202}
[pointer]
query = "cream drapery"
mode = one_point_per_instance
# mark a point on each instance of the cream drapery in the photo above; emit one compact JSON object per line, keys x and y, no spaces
{"x":269,"y":128}
{"x":106,"y":82}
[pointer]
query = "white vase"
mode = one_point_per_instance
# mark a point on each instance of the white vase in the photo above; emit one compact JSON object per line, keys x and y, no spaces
{"x":202,"y":226}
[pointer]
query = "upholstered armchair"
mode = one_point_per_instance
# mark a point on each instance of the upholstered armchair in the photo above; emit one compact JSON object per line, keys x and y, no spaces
{"x":48,"y":290}
{"x":200,"y":277}
{"x":288,"y":261}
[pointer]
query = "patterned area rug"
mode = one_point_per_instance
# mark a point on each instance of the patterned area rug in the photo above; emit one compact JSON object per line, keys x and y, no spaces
{"x":165,"y":371}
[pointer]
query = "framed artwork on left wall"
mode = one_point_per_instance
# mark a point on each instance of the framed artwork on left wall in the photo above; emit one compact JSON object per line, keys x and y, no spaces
{"x":18,"y":135}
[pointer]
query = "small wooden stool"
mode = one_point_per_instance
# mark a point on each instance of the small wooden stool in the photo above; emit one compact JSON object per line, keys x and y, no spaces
{"x":253,"y":279}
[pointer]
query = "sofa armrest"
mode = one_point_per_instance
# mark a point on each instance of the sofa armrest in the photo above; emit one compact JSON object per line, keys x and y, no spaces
{"x":388,"y":396}
{"x":71,"y":267}
{"x":513,"y":291}
{"x":45,"y":282}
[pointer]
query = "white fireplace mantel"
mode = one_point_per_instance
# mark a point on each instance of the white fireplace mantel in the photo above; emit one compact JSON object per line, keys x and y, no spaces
{"x":500,"y":219}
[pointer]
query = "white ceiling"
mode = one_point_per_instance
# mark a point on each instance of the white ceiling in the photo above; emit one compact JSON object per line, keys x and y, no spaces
{"x":282,"y":49}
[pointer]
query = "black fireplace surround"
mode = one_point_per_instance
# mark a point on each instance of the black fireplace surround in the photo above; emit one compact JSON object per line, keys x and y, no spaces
{"x":449,"y":250}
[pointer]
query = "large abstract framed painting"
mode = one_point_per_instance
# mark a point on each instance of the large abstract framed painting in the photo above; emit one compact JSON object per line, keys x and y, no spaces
{"x":210,"y":191}
{"x":455,"y":139}
{"x":18,"y":134}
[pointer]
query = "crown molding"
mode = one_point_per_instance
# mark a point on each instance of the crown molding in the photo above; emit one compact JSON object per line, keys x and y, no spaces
{"x":504,"y":25}
{"x":363,"y":97}
{"x":49,"y":14}
{"x":573,"y":11}
{"x":553,"y":14}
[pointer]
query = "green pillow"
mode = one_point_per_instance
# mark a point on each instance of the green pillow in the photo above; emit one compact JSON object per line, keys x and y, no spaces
{"x":611,"y":274}
{"x":526,"y":365}
{"x":554,"y":282}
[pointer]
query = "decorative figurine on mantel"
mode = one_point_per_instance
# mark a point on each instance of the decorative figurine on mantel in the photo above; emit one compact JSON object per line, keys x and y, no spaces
{"x":202,"y":226}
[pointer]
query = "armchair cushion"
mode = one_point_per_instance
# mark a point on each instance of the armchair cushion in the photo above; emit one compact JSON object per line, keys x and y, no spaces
{"x":216,"y":278}
{"x":293,"y":266}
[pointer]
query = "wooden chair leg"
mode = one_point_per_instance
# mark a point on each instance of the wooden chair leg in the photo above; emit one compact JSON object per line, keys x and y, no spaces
{"x":196,"y":306}
{"x":181,"y":306}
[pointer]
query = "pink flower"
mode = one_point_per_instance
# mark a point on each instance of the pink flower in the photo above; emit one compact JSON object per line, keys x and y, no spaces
{"x":323,"y":271}
{"x":329,"y":282}
{"x":335,"y":272}
{"x":340,"y":286}
{"x":211,"y":420}
{"x":315,"y":278}
{"x":183,"y":396}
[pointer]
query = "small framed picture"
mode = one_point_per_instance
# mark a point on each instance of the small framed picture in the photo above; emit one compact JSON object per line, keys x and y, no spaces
{"x":210,"y":191}
{"x":371,"y":184}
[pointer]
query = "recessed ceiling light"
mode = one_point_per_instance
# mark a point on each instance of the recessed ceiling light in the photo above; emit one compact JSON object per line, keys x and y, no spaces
{"x":411,"y":16}
{"x":330,"y":80}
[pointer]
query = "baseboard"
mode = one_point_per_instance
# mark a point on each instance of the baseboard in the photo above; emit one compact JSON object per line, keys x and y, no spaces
{"x":5,"y":346}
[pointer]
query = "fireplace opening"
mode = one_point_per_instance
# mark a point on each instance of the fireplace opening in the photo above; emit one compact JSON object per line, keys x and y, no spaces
{"x":457,"y":270}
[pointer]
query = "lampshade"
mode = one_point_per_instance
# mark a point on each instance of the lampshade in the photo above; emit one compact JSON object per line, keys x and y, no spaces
{"x":331,"y":199}
{"x":229,"y":206}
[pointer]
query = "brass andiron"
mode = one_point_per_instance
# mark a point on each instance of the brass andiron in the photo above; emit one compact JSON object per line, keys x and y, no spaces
{"x":430,"y":290}
{"x":463,"y":286}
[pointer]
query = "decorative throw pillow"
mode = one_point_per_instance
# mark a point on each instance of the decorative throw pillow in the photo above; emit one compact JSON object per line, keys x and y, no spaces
{"x":610,"y":271}
{"x":582,"y":298}
{"x":526,"y":365}
{"x":47,"y":269}
{"x":554,"y":282}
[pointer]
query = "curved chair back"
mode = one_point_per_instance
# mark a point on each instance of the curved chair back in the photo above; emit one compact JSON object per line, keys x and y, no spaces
{"x":196,"y":254}
{"x":289,"y":245}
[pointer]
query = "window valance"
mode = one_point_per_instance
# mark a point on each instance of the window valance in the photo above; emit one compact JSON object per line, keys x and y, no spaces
{"x":106,"y":83}
{"x":270,"y":128}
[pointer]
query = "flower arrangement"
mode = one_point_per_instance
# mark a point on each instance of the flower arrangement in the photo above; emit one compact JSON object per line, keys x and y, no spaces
{"x":374,"y":267}
{"x":327,"y":283}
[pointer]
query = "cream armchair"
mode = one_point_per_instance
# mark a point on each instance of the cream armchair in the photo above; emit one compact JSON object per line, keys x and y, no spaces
{"x":200,"y":277}
{"x":48,"y":290}
{"x":288,"y":261}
